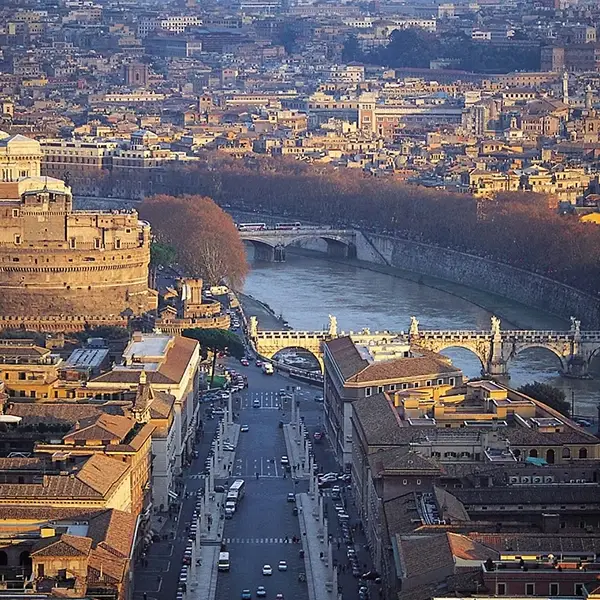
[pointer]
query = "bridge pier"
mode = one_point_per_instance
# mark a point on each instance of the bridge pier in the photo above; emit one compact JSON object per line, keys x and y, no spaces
{"x":279,"y":253}
{"x":340,"y":250}
{"x":577,"y":368}
{"x":264,"y":252}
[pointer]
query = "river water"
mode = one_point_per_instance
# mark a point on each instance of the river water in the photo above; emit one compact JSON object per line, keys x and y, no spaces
{"x":306,"y":289}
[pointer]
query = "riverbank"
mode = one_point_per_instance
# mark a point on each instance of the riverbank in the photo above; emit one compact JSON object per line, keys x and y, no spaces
{"x":519,"y":317}
{"x":267,"y":318}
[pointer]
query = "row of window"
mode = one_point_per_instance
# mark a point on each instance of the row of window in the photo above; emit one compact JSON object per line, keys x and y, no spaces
{"x":404,"y":386}
{"x":553,"y":589}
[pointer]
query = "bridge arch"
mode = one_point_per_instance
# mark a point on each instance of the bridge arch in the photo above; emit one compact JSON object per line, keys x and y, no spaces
{"x":318,"y":360}
{"x":441,"y":346}
{"x":263,"y":250}
{"x":563,"y":360}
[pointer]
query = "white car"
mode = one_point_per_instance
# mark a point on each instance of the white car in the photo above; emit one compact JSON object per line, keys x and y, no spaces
{"x":244,"y":428}
{"x":282,"y":566}
{"x":267,"y":570}
{"x":285,"y":460}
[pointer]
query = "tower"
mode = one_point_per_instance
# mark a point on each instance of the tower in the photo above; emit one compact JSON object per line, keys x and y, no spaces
{"x":589,"y":98}
{"x":565,"y":87}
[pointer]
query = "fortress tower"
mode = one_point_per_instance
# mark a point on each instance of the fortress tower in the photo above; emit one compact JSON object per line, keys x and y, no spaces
{"x":61,"y":268}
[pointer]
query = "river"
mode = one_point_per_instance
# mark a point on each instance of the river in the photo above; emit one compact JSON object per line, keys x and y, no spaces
{"x":306,"y":289}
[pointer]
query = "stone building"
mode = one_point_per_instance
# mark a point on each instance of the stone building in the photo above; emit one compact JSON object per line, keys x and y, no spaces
{"x":61,"y":267}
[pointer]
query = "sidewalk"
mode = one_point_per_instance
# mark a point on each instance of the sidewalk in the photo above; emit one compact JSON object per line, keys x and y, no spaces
{"x":209,"y":546}
{"x":224,"y":467}
{"x":318,"y":574}
{"x":296,"y":452}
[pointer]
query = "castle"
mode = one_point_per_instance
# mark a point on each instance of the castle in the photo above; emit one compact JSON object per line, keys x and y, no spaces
{"x":61,"y":268}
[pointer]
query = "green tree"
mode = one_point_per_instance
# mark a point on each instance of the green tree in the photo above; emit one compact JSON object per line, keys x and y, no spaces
{"x":215,"y":341}
{"x":351,"y":50}
{"x":162,"y":255}
{"x":548,"y":394}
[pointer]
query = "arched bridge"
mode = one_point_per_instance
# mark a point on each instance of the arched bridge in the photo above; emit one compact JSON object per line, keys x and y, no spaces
{"x":494,"y":348}
{"x":270,"y":244}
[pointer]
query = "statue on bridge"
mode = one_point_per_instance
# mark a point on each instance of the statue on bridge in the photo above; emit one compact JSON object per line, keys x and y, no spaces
{"x":575,"y":326}
{"x":253,"y":327}
{"x":333,"y":326}
{"x":414,"y":326}
{"x":495,"y":325}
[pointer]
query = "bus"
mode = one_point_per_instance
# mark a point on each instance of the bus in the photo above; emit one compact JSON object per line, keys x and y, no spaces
{"x":223,"y":564}
{"x":251,"y":226}
{"x":238,"y":486}
{"x":295,"y":225}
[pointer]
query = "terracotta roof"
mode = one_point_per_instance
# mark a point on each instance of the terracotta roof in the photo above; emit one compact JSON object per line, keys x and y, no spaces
{"x":64,"y":413}
{"x":101,"y":473}
{"x":450,"y":507}
{"x":23,"y":464}
{"x":162,"y":405}
{"x":65,"y":545}
{"x":104,"y":567}
{"x":30,"y":351}
{"x":538,"y":494}
{"x":400,"y":459}
{"x":378,"y":420}
{"x":346,"y":356}
{"x":178,"y":358}
{"x":45,"y":514}
{"x":466,"y":548}
{"x":401,"y":514}
{"x":114,"y":531}
{"x":405,"y":368}
{"x":130,"y":377}
{"x":413,"y":548}
{"x":538,"y":542}
{"x":102,"y":427}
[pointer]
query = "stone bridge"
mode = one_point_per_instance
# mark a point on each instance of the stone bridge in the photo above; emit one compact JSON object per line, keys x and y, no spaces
{"x":495,"y":348}
{"x":270,"y":244}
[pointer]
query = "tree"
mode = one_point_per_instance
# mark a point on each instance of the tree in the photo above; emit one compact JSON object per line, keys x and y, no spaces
{"x":161,"y":256}
{"x":351,"y":50}
{"x":215,"y":341}
{"x":204,"y":237}
{"x":548,"y":394}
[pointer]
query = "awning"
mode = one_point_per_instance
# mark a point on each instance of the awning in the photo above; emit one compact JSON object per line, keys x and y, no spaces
{"x":173,"y":495}
{"x":534,"y":460}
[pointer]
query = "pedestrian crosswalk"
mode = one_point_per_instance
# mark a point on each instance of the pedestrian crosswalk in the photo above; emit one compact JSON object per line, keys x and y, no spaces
{"x":264,"y":400}
{"x":275,"y":540}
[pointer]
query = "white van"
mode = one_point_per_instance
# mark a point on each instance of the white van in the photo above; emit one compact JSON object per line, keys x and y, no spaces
{"x":229,"y":509}
{"x":223,"y":564}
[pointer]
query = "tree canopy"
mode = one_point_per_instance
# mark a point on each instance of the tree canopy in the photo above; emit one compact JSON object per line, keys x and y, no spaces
{"x":203,"y":236}
{"x":548,"y":394}
{"x":219,"y":340}
{"x":162,"y":255}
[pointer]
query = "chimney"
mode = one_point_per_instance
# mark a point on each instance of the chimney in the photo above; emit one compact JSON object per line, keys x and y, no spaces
{"x":137,"y":336}
{"x":77,"y":426}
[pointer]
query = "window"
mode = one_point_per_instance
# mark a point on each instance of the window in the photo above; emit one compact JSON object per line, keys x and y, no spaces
{"x":451,"y":381}
{"x":405,"y":482}
{"x":118,"y":244}
{"x":553,"y":589}
{"x":392,"y":387}
{"x":566,"y":452}
{"x":96,"y":243}
{"x":22,"y":376}
{"x":440,"y":381}
{"x":368,"y":392}
{"x":15,"y":212}
{"x":530,"y":589}
{"x":380,"y":389}
{"x":416,"y":384}
{"x":578,"y":589}
{"x":500,"y":589}
{"x":582,"y":452}
{"x":17,"y":239}
{"x":418,"y":482}
{"x":72,"y":242}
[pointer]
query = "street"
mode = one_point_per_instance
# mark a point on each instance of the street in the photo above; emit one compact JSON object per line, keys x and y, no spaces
{"x":263,"y":526}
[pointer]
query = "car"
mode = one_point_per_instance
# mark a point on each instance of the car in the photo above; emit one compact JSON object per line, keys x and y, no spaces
{"x":282,"y":566}
{"x":319,"y":398}
{"x":260,"y":591}
{"x":291,"y":497}
{"x":370,"y":575}
{"x":244,"y":428}
{"x":228,"y":448}
{"x":285,"y":460}
{"x":244,"y":362}
{"x":336,"y":489}
{"x":279,"y":597}
{"x":258,"y":363}
{"x":246,"y":595}
{"x":256,"y":404}
{"x":219,"y":489}
{"x":267,"y":570}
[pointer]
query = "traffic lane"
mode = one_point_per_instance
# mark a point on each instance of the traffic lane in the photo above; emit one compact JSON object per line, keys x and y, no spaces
{"x":247,"y":561}
{"x":264,"y":512}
